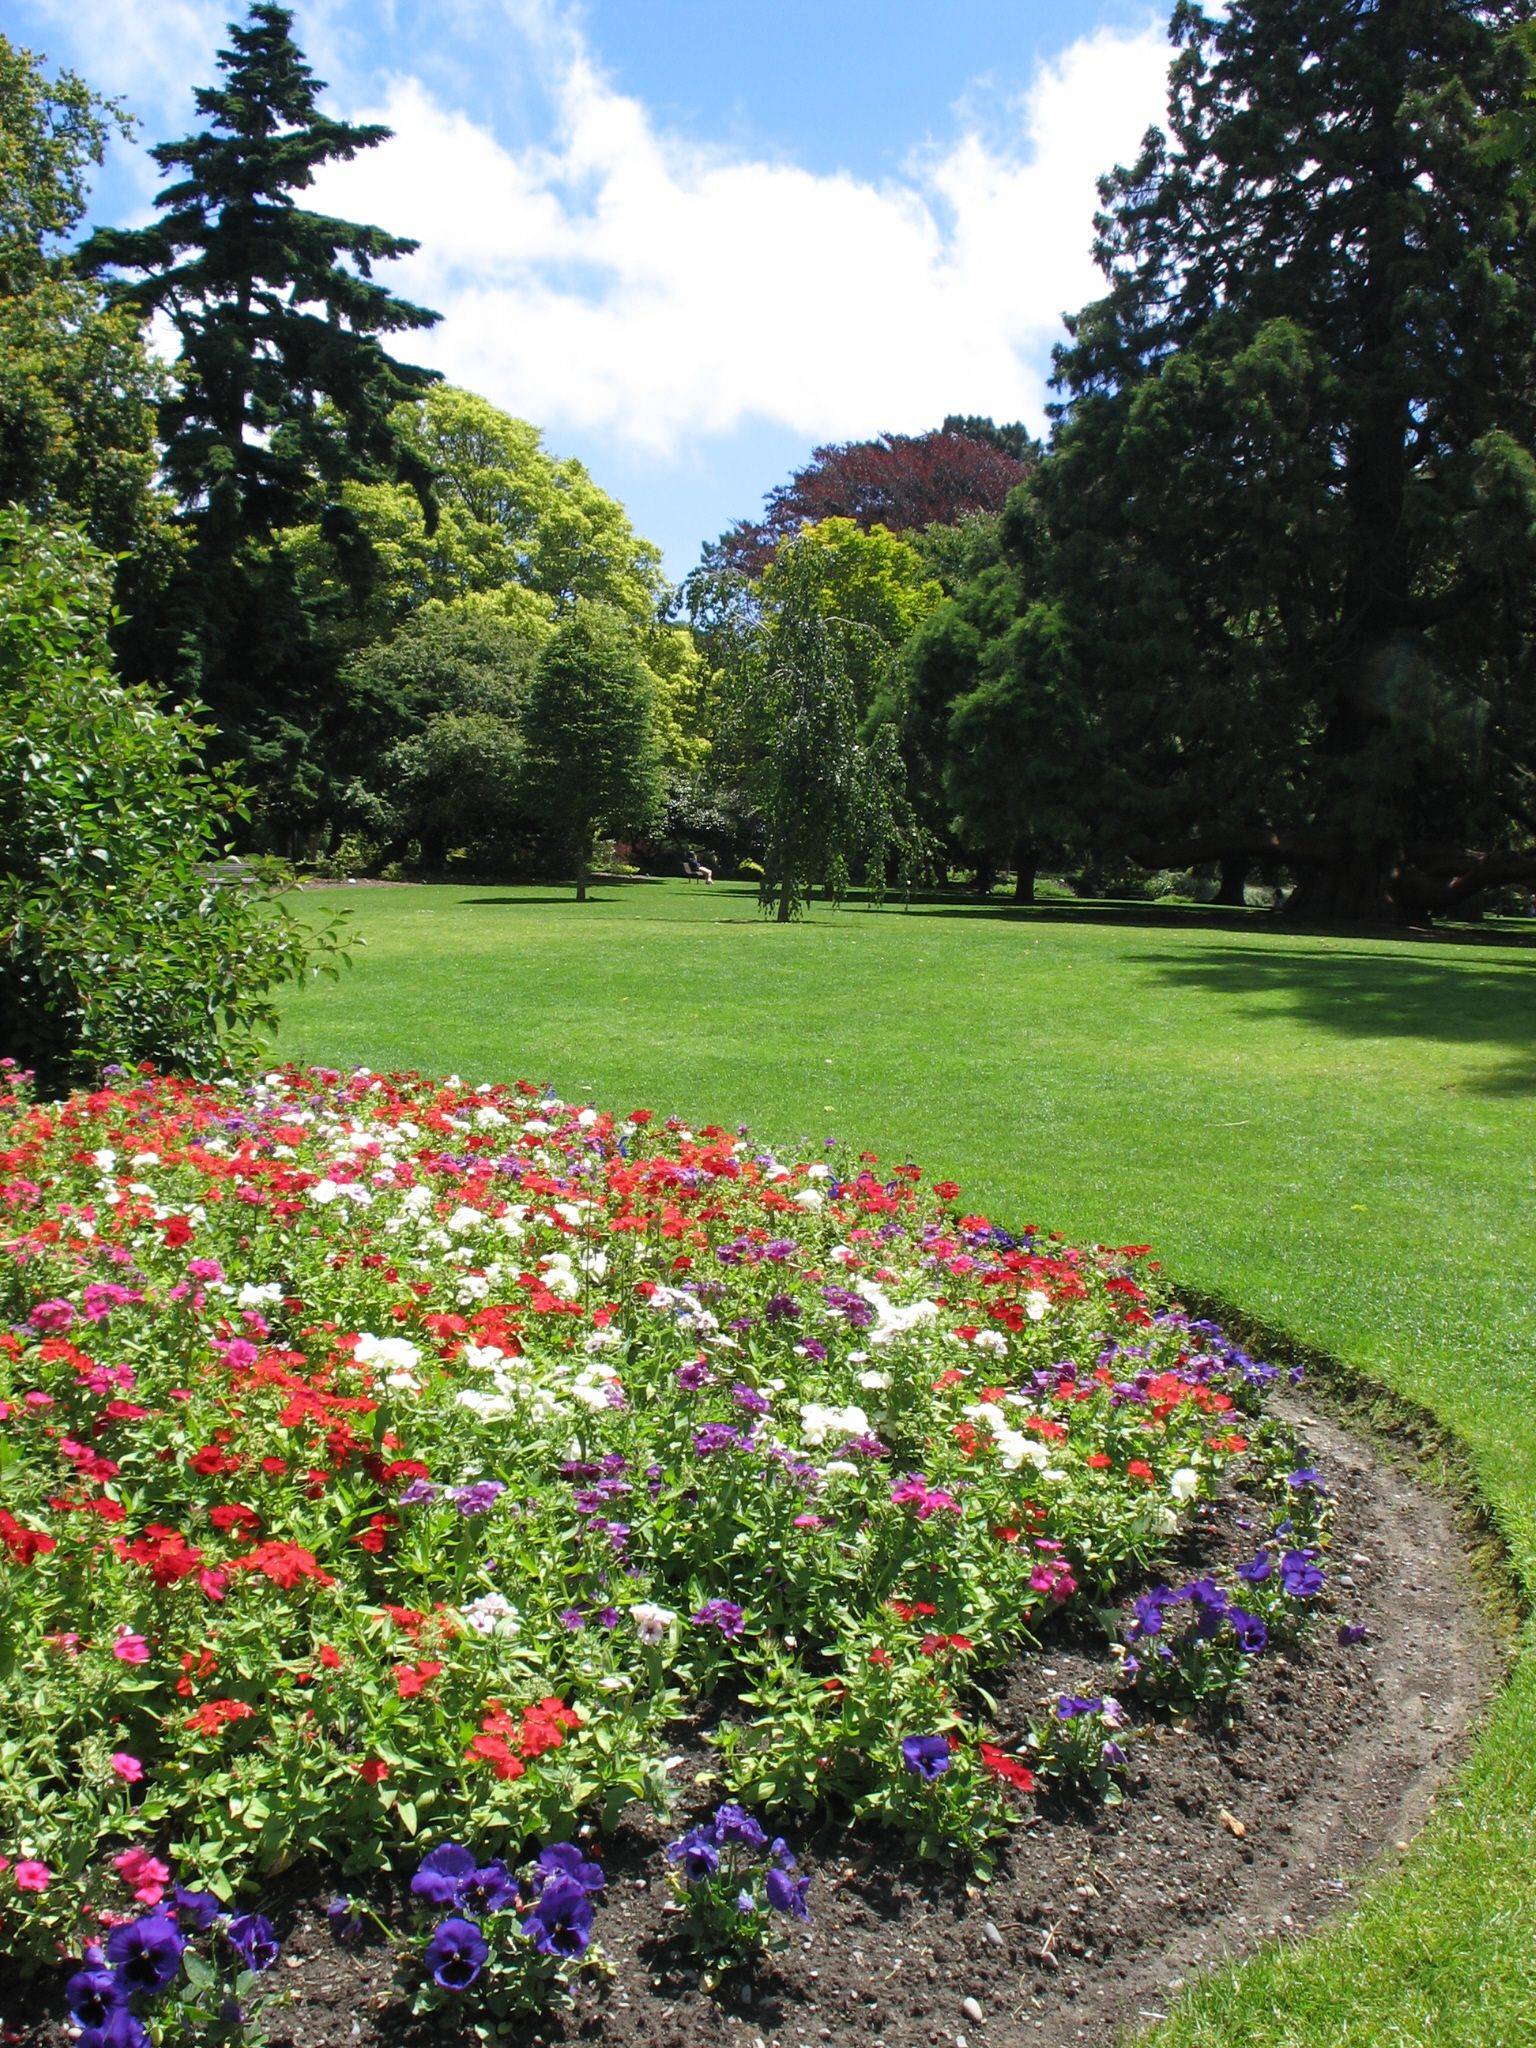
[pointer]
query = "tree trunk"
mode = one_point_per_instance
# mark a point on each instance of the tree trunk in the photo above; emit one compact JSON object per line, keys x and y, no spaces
{"x":581,"y":883}
{"x":1232,"y":883}
{"x":1354,"y":888}
{"x":786,"y":898}
{"x":1024,"y":870}
{"x":986,"y":874}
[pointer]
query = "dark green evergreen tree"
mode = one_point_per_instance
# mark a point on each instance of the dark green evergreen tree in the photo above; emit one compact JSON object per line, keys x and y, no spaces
{"x":284,"y":390}
{"x":1293,"y":494}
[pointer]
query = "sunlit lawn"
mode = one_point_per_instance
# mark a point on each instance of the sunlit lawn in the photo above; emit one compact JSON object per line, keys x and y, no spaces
{"x":1337,"y":1134}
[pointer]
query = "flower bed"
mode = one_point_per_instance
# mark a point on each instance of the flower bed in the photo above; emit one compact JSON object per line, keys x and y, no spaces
{"x":392,"y":1463}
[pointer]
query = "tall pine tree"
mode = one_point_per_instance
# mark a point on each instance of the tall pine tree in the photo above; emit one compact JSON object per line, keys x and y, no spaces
{"x":1293,"y":493}
{"x":283,"y":391}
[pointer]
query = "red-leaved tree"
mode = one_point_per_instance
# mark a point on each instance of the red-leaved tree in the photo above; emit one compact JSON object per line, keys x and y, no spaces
{"x":903,"y":481}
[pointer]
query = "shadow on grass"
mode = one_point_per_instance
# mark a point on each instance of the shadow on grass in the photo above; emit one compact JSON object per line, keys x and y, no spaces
{"x":1360,"y":991}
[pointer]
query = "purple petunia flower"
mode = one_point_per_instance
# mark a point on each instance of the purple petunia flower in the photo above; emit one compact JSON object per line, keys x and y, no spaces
{"x":1252,"y":1635}
{"x":1070,"y":1705}
{"x":852,"y":1307}
{"x":561,"y":1922}
{"x":697,"y":1853}
{"x":346,"y":1921}
{"x":456,"y":1954}
{"x":1257,"y":1569}
{"x":750,"y":1399}
{"x":197,"y":1910}
{"x":926,"y":1756}
{"x":441,"y":1875}
{"x":1307,"y":1476}
{"x":717,"y":1436}
{"x":253,"y":1939}
{"x":120,"y":2029}
{"x":479,"y":1498}
{"x":1300,"y":1575}
{"x":1148,"y":1609}
{"x":782,"y":1308}
{"x":691,"y":1377}
{"x":1351,"y":1632}
{"x":724,"y":1615}
{"x":489,"y":1889}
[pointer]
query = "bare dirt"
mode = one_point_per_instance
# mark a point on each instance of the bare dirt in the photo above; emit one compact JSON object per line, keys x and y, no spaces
{"x":1228,"y":1835}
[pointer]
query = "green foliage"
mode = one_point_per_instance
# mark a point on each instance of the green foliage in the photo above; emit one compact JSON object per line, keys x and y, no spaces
{"x":518,"y":538}
{"x":121,"y":936}
{"x":53,"y":134}
{"x":591,"y":762}
{"x":870,"y":585}
{"x":283,"y":389}
{"x":832,"y":798}
{"x":77,"y":387}
{"x":1290,"y":498}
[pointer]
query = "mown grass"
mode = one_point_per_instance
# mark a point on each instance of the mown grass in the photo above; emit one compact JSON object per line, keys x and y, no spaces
{"x":1333,"y":1132}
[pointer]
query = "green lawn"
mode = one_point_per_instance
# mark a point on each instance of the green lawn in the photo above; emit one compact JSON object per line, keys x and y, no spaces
{"x":1336,"y":1133}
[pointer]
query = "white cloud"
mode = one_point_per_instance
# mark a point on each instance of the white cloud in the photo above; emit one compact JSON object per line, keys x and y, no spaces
{"x":624,"y":280}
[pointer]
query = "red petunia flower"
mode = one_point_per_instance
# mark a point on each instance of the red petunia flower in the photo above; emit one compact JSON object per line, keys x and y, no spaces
{"x":999,"y":1764}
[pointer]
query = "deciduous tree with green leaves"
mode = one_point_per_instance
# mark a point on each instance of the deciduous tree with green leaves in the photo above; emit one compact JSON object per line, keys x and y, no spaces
{"x":520,"y":536}
{"x":591,"y":763}
{"x":831,"y":794}
{"x":78,"y":388}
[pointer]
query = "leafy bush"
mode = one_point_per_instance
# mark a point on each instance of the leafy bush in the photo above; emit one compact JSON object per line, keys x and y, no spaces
{"x":126,"y":933}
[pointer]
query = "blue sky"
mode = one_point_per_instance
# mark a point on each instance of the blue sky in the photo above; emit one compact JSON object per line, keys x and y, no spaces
{"x":693,"y":238}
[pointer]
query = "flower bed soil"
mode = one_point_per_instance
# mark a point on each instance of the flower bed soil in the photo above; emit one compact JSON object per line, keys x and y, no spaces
{"x":1229,"y":1834}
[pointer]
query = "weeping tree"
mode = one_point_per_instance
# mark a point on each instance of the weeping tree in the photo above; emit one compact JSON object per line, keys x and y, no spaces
{"x":830,"y":789}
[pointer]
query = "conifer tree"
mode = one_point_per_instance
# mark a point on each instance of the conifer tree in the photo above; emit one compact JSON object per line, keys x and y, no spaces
{"x":284,"y":389}
{"x":1293,"y":492}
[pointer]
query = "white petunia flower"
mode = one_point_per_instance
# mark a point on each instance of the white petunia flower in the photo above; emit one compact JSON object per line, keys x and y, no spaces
{"x":491,"y":1615}
{"x":651,"y":1622}
{"x":818,"y":1422}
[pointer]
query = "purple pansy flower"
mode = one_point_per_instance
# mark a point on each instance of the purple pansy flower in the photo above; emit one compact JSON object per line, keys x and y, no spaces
{"x":456,"y":1954}
{"x":561,"y":1922}
{"x":926,"y":1756}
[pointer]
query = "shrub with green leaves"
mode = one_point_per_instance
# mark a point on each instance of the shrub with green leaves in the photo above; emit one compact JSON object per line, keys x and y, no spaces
{"x":126,"y":931}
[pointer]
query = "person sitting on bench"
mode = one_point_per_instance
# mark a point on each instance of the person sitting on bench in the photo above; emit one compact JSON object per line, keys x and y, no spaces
{"x":695,"y":870}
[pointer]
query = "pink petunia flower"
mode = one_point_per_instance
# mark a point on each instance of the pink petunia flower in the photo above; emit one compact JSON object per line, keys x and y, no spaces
{"x":127,"y":1767}
{"x":129,"y":1648}
{"x":32,"y":1877}
{"x":145,"y":1875}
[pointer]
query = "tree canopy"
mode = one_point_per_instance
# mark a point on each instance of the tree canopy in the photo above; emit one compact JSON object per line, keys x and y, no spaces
{"x":592,"y":765}
{"x":283,"y":390}
{"x":1292,"y":494}
{"x":903,"y":482}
